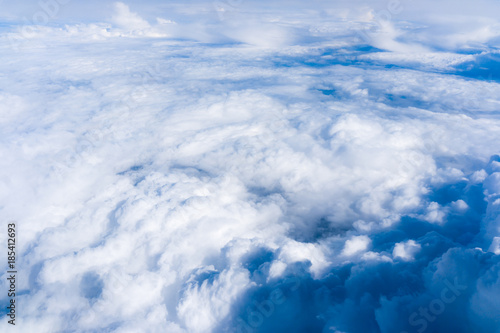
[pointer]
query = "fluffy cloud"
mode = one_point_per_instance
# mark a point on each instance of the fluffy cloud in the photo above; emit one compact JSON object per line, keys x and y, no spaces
{"x":252,"y":167}
{"x":123,"y":17}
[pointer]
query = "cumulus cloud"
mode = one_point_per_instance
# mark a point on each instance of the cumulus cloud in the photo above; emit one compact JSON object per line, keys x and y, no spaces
{"x":125,"y":19}
{"x":252,"y":167}
{"x":406,"y":250}
{"x":355,"y":245}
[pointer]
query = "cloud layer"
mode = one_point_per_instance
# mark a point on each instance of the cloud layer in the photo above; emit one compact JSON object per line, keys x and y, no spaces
{"x":237,"y":167}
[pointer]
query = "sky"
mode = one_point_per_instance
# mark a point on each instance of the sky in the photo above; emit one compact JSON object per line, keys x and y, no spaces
{"x":251,"y":166}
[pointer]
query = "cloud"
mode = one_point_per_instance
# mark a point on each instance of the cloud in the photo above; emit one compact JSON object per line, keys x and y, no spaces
{"x":355,"y":245}
{"x":172,"y":169}
{"x":406,"y":250}
{"x":125,"y":19}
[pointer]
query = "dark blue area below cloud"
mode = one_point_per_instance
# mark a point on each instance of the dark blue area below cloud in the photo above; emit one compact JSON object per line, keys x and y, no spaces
{"x":484,"y":67}
{"x":435,"y":292}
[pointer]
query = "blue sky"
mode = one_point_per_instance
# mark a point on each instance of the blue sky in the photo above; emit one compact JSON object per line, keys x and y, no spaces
{"x":237,"y":166}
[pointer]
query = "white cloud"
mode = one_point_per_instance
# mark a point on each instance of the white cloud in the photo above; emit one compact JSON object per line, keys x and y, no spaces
{"x":406,"y":250}
{"x":189,"y":162}
{"x":356,"y":245}
{"x":435,"y":213}
{"x":495,"y":245}
{"x":127,"y":20}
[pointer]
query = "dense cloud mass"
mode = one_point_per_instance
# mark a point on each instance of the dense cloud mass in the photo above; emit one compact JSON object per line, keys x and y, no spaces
{"x":237,"y":166}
